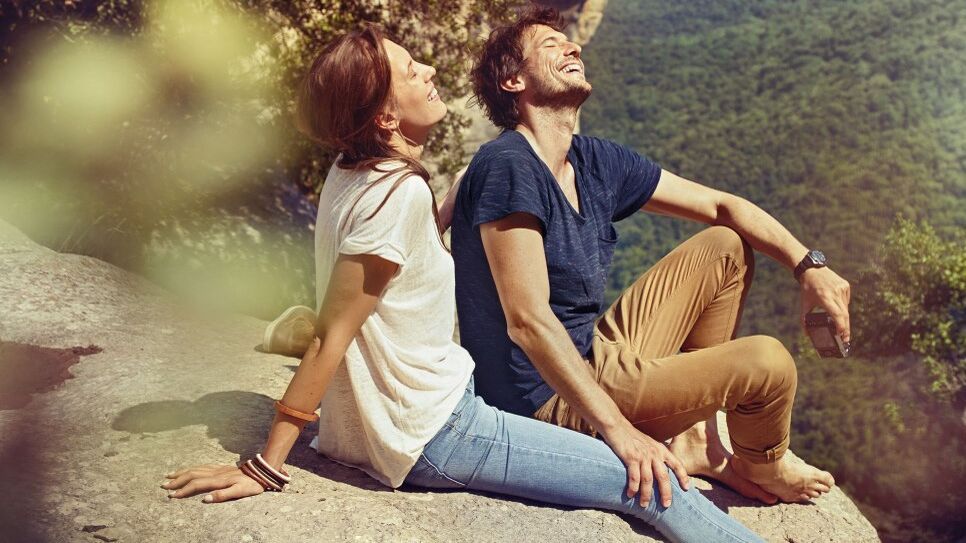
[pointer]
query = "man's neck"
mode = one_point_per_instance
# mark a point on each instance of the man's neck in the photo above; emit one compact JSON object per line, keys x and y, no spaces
{"x":550,"y":133}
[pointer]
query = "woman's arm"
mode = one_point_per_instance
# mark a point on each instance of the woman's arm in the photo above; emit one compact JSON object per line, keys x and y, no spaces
{"x":355,"y":286}
{"x":354,"y":289}
{"x":449,"y":203}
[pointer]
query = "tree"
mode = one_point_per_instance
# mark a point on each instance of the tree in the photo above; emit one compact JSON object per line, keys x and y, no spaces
{"x":157,"y":135}
{"x":919,"y":304}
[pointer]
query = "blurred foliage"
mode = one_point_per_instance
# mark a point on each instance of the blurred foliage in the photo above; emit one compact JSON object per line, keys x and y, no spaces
{"x":156,"y":135}
{"x":919,"y":305}
{"x":834,"y":116}
{"x":895,"y":450}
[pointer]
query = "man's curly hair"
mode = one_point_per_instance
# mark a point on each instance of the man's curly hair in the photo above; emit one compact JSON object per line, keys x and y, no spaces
{"x":501,"y":59}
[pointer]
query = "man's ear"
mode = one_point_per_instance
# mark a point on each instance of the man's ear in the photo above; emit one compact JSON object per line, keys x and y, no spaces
{"x":513,"y":83}
{"x":387,"y":121}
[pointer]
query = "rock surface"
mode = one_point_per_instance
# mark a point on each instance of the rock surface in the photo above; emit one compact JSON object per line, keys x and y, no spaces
{"x":173,"y":388}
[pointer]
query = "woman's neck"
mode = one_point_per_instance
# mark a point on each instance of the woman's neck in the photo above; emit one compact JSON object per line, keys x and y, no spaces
{"x":407,"y":147}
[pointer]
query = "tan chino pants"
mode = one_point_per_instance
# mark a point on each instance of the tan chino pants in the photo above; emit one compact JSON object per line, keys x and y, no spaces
{"x":665,"y":352}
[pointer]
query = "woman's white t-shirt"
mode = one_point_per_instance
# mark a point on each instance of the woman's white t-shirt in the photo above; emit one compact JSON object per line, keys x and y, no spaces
{"x":403,"y":374}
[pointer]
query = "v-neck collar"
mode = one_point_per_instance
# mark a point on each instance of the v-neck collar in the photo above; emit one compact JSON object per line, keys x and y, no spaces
{"x":580,"y":216}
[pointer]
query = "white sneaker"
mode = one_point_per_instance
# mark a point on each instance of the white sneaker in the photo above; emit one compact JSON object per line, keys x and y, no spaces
{"x":291,"y":333}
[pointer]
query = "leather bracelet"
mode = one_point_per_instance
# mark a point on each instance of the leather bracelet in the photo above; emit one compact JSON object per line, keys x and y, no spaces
{"x":280,"y":474}
{"x":267,"y":475}
{"x":243,"y":466}
{"x":282,"y":408}
{"x":249,"y":469}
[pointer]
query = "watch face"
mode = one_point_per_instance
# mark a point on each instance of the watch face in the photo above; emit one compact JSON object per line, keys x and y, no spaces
{"x":817,"y":257}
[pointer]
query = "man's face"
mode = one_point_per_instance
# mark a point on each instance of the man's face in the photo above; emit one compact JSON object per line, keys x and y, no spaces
{"x":553,"y":71}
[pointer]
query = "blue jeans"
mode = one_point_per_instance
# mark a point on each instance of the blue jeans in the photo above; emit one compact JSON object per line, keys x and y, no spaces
{"x":483,"y":448}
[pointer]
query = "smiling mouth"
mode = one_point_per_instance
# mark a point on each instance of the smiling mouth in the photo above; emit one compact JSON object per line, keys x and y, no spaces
{"x":433,"y":95}
{"x":573,"y":68}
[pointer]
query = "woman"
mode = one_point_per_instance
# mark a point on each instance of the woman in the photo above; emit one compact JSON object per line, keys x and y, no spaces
{"x":396,"y":392}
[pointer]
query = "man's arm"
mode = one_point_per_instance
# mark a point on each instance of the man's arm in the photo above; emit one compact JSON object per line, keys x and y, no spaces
{"x":678,"y":197}
{"x":514,"y":249}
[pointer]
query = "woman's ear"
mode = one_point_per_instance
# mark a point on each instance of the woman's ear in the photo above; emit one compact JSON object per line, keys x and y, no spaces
{"x":387,"y":121}
{"x":513,"y":83}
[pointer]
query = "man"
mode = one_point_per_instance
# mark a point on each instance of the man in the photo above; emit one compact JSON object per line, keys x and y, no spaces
{"x":533,"y":237}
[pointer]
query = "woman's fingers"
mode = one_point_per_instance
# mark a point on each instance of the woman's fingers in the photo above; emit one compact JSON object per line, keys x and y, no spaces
{"x":180,"y":472}
{"x":241,"y":489}
{"x":187,"y":476}
{"x":200,"y":485}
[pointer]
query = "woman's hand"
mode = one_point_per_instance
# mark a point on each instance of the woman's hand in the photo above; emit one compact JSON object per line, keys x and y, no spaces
{"x":222,"y":483}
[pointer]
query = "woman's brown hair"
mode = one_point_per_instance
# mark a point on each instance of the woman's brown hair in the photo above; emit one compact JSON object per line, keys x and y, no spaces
{"x":348,"y":85}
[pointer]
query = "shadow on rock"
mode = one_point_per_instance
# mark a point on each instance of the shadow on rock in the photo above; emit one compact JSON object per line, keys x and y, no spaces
{"x":32,"y":369}
{"x":240,"y":421}
{"x":24,"y":470}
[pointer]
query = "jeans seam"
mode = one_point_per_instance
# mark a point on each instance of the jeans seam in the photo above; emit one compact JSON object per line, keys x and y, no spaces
{"x":552,"y":453}
{"x":440,"y":472}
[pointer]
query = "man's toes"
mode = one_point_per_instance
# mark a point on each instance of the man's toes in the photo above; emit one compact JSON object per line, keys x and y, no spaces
{"x":820,"y":487}
{"x":827,"y":478}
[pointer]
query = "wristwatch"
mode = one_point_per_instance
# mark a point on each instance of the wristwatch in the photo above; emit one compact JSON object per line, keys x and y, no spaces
{"x":814,"y":259}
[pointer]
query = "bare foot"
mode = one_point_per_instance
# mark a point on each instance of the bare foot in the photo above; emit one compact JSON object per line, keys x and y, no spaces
{"x":700,"y":450}
{"x":790,"y":480}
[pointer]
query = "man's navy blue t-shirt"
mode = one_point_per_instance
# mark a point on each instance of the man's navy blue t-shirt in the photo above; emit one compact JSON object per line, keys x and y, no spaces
{"x":506,"y":176}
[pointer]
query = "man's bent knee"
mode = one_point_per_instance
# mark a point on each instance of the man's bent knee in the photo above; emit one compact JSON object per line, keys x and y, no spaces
{"x":769,"y":359}
{"x":729,"y":242}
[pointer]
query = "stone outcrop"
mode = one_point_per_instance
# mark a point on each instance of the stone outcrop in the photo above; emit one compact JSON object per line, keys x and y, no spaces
{"x":582,"y":16}
{"x":174,"y":387}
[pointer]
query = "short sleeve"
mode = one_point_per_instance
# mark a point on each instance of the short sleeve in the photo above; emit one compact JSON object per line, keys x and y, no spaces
{"x":504,"y":183}
{"x":393,"y":230}
{"x":632,"y":178}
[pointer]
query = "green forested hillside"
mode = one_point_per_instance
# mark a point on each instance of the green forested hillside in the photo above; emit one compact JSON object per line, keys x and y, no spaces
{"x":831,"y":115}
{"x":836,"y":117}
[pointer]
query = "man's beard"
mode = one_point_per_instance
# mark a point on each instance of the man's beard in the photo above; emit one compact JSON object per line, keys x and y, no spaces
{"x":562,"y":96}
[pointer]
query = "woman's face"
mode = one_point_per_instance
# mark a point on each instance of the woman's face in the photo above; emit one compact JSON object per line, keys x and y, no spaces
{"x":418,"y":104}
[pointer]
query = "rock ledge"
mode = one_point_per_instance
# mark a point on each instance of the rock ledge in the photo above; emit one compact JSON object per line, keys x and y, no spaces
{"x":174,"y":388}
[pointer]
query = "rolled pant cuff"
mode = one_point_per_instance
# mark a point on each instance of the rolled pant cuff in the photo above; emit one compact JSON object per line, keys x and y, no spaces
{"x":754,"y":456}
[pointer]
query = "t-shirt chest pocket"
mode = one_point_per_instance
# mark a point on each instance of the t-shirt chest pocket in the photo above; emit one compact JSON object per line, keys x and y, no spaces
{"x":567,"y":266}
{"x":607,"y":241}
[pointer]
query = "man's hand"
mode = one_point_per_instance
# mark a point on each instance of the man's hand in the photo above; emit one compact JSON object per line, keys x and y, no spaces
{"x":823,"y":287}
{"x":222,"y":483}
{"x":645,"y":459}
